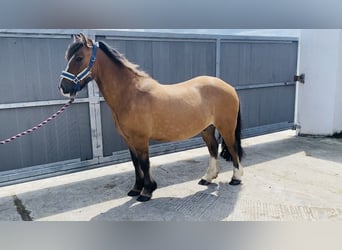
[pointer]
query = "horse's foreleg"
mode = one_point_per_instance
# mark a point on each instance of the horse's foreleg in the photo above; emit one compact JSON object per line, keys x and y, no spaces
{"x":149,"y":184}
{"x":208,"y":136}
{"x":139,"y":176}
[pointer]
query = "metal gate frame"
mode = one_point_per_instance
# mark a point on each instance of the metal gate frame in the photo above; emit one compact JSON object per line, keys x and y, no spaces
{"x":94,"y":101}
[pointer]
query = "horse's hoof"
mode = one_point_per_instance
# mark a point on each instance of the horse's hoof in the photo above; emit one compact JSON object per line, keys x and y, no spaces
{"x":204,"y":182}
{"x":143,"y":198}
{"x":133,"y":193}
{"x":235,"y":182}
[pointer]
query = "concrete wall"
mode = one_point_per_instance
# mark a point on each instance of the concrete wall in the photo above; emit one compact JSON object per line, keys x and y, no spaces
{"x":319,"y":109}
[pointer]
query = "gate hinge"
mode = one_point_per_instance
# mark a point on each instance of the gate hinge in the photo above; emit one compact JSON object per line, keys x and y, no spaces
{"x":299,"y":78}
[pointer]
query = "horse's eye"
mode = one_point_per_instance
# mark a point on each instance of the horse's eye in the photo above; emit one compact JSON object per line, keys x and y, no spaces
{"x":79,"y":59}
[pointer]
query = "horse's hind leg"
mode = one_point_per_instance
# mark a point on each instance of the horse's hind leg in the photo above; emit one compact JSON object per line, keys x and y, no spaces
{"x":208,"y":136}
{"x":230,"y":152}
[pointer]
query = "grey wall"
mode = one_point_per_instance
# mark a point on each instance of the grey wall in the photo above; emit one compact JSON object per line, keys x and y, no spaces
{"x":261,"y":69}
{"x":263,"y":73}
{"x":30,"y":69}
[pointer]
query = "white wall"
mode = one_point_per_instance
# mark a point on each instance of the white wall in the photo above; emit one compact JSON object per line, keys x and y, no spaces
{"x":338,"y":92}
{"x":319,"y":107}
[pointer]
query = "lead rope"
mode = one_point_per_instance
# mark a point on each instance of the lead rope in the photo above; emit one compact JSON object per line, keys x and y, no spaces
{"x":40,"y":124}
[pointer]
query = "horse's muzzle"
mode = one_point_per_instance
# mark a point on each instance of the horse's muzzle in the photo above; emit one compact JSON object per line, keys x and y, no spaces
{"x":67,"y":88}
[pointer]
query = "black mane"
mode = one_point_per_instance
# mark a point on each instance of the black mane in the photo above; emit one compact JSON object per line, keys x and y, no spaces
{"x":120,"y":59}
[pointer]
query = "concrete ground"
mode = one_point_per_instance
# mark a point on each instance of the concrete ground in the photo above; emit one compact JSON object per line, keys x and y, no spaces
{"x":286,"y":178}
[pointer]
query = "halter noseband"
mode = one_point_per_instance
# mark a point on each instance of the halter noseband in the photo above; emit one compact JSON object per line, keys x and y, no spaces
{"x":84,"y":73}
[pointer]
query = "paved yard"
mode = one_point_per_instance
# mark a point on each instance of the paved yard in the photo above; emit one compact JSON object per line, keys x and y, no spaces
{"x":287,"y":178}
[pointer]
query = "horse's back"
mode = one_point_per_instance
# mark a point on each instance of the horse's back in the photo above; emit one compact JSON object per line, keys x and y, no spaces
{"x":202,"y":92}
{"x":213,"y":88}
{"x":199,"y":83}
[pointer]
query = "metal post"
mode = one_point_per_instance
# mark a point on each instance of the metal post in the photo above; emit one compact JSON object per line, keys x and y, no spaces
{"x":218,"y":57}
{"x":95,"y":117}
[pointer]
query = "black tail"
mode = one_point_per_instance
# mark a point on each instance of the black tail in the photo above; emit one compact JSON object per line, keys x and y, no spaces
{"x":225,"y":152}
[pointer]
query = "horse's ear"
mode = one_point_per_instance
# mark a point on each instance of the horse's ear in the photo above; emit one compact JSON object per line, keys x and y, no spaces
{"x":89,"y":43}
{"x":86,"y":41}
{"x":77,"y":38}
{"x":83,"y":39}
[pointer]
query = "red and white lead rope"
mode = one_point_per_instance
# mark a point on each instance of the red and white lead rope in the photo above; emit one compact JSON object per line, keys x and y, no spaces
{"x":40,"y":124}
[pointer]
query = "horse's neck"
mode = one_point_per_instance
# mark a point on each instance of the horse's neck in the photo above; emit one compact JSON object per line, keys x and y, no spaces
{"x":114,"y":82}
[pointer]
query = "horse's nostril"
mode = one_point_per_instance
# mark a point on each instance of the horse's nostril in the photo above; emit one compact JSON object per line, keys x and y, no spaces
{"x":61,"y":88}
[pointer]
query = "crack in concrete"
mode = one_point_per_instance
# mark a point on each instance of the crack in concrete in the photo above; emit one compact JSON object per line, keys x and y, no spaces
{"x":21,"y":209}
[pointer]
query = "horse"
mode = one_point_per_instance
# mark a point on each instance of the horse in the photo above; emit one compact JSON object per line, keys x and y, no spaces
{"x":144,"y":110}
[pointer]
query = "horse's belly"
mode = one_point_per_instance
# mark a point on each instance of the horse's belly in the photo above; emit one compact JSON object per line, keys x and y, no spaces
{"x":178,"y":129}
{"x":169,"y":136}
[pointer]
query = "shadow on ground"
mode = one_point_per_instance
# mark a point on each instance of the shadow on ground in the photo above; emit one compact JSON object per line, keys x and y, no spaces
{"x":215,"y":203}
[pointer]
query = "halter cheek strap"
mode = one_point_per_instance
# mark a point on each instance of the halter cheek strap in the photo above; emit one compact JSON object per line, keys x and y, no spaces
{"x":84,"y":73}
